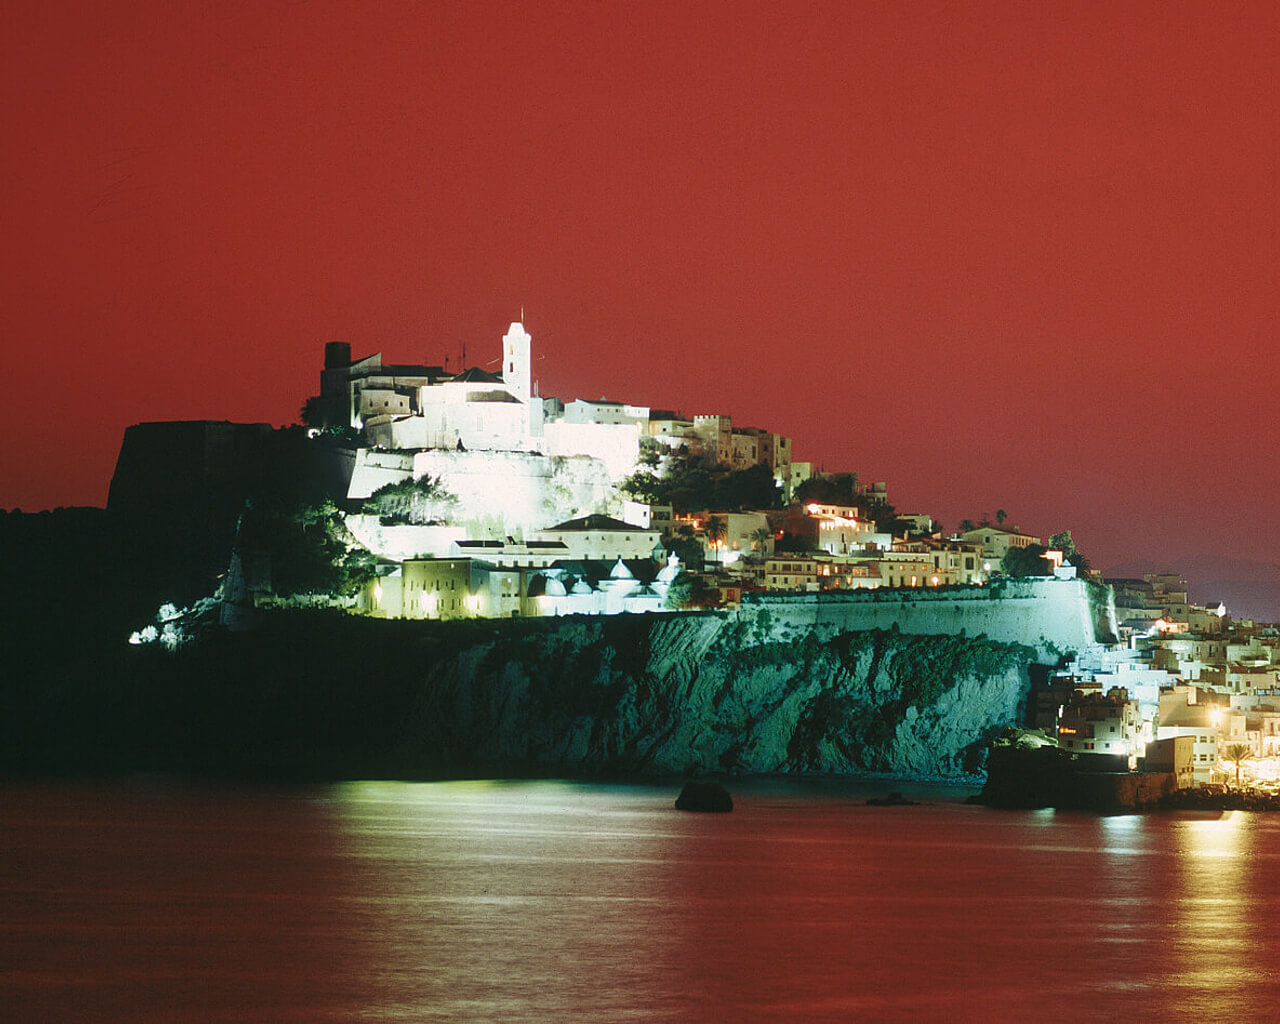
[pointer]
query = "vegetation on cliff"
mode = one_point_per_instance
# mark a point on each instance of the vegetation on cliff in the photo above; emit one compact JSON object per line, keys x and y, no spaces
{"x":694,"y":484}
{"x":422,"y":501}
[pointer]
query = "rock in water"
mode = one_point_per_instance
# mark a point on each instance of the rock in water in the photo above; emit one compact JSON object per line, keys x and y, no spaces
{"x":704,"y":796}
{"x":894,"y":799}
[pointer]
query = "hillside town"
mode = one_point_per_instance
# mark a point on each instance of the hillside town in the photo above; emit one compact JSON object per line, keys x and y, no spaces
{"x":537,"y":506}
{"x":465,"y":494}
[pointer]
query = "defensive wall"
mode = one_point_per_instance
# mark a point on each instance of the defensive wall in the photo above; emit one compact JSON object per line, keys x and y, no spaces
{"x":513,"y":493}
{"x":1055,"y":617}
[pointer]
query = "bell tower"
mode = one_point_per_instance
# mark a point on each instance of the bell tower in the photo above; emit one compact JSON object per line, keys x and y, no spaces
{"x":517,"y":371}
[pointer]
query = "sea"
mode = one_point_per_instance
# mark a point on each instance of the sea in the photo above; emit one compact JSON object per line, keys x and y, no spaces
{"x":155,"y":899}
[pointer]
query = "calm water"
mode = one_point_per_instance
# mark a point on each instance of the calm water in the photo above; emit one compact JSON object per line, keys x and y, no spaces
{"x":546,"y":901}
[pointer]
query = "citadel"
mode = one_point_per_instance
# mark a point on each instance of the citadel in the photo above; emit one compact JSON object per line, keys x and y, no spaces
{"x":468,"y":495}
{"x":539,"y":500}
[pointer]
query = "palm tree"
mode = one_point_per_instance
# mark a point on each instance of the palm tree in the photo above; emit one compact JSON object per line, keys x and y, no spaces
{"x":761,"y":538}
{"x":715,"y":531}
{"x":1237,"y":753}
{"x":312,"y":412}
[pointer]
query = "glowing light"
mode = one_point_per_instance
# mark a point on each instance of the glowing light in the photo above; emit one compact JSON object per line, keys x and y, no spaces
{"x":813,"y":509}
{"x":377,"y":593}
{"x":473,"y":602}
{"x":428,"y":602}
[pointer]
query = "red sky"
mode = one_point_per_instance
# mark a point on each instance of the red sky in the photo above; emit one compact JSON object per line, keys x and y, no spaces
{"x":1000,"y":255}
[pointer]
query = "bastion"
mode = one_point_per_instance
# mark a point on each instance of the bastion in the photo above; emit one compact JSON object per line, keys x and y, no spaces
{"x":1054,"y":617}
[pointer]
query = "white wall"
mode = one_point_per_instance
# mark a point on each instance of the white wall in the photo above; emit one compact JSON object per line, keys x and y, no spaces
{"x":1055,"y":617}
{"x":399,"y":543}
{"x":374,"y":469}
{"x":616,"y":445}
{"x":504,"y":494}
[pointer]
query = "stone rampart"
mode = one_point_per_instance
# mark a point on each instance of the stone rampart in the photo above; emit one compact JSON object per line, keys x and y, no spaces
{"x":512,"y":493}
{"x":1054,"y":617}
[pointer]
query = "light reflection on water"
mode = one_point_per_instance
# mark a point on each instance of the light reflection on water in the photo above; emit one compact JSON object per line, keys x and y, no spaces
{"x":553,"y":901}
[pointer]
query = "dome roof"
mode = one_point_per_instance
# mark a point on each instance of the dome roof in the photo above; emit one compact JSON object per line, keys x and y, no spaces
{"x":621,"y":572}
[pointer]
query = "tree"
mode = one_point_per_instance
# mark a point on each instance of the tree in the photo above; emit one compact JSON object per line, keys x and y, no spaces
{"x":750,"y":488}
{"x":684,"y":545}
{"x":690,"y":590}
{"x":1237,"y":753}
{"x":1026,"y":561}
{"x":312,"y":412}
{"x":1064,"y":543}
{"x":650,"y":452}
{"x":760,"y":539}
{"x":691,"y":483}
{"x":309,"y":548}
{"x":715,"y":531}
{"x":966,"y":525}
{"x":1001,"y":516}
{"x":835,"y":489}
{"x":420,"y":502}
{"x":643,"y":486}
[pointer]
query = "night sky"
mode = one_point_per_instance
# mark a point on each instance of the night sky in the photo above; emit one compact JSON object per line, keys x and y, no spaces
{"x":999,"y":255}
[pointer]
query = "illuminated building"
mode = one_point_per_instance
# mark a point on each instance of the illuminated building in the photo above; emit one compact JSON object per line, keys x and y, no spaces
{"x":996,"y":542}
{"x":1097,"y":724}
{"x":1183,"y":714}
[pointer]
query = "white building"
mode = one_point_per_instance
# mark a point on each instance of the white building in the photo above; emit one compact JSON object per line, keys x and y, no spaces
{"x":602,"y":537}
{"x":1182,"y":714}
{"x":572,"y":590}
{"x":1095,"y":724}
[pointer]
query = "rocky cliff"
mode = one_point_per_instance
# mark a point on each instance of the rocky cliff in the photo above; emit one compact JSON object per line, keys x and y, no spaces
{"x":713,"y":692}
{"x":336,"y":695}
{"x":322,"y":693}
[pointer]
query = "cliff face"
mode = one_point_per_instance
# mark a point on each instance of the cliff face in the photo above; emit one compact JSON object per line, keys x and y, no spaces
{"x":693,"y":693}
{"x":322,"y":693}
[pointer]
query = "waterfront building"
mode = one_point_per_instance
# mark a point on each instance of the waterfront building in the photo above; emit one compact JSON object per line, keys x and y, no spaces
{"x":1097,"y":724}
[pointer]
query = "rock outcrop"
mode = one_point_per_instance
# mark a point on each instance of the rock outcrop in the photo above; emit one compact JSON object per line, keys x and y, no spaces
{"x":691,"y":694}
{"x":707,"y":797}
{"x":326,"y":694}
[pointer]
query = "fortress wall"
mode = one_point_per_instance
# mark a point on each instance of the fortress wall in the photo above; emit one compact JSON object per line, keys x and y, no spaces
{"x":513,"y":493}
{"x":404,"y":541}
{"x":374,"y":469}
{"x":617,"y":445}
{"x":1055,"y":617}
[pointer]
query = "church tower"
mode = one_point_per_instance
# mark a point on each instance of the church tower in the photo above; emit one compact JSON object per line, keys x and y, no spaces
{"x":517,"y":372}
